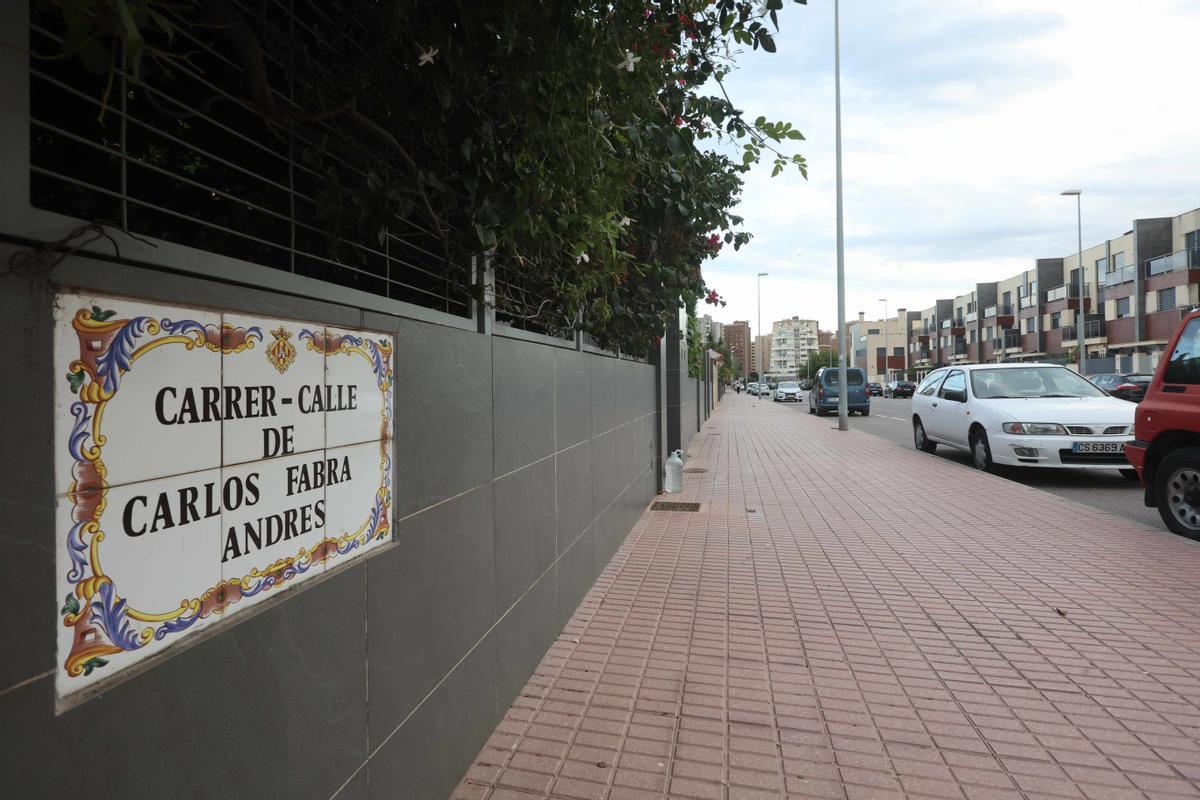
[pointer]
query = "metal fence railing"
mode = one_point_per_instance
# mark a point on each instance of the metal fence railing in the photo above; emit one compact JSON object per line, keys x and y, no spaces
{"x":186,"y":159}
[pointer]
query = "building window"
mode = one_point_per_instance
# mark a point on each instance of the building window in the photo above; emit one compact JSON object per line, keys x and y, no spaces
{"x":972,"y":339}
{"x":1122,"y":308}
{"x":872,"y":331}
{"x":1118,"y":260}
{"x":989,"y":332}
{"x":898,"y":351}
{"x":1166,"y":299}
{"x":1029,"y":325}
{"x":1101,"y":265}
{"x":1055,"y":320}
{"x":1006,"y":300}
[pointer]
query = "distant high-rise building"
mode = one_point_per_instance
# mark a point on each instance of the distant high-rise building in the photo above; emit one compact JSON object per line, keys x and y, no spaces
{"x":710,"y":329}
{"x":762,"y":354}
{"x":792,"y":340}
{"x":737,"y":336}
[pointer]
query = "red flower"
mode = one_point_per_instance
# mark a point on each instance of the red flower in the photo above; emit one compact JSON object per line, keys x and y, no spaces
{"x":678,"y":121}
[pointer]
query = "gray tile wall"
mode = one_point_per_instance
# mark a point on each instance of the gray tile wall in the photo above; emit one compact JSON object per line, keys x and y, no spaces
{"x":521,"y":468}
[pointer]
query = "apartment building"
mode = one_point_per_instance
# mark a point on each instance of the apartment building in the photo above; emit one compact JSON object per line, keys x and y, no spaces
{"x":761,"y":358}
{"x":1136,"y":287}
{"x":879,"y":346}
{"x":792,"y":341}
{"x":737,"y":336}
{"x":711,"y":329}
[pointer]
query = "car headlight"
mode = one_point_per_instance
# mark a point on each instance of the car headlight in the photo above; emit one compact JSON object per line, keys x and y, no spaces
{"x":1034,"y":428}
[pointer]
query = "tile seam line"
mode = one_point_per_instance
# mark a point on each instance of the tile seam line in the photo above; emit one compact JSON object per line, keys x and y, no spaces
{"x":479,"y":641}
{"x":612,"y":649}
{"x":925,"y":658}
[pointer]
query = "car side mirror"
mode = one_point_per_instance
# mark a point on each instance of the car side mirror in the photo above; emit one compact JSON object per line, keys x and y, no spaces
{"x":956,"y":395}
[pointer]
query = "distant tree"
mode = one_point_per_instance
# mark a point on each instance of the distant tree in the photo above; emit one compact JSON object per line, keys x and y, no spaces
{"x":753,"y":377}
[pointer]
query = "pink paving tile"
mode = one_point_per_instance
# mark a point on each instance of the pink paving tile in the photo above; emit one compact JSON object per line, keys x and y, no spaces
{"x":821,"y":648}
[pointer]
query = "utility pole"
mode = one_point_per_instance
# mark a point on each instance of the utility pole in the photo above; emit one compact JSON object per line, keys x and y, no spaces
{"x":757,"y":334}
{"x":1080,"y":346}
{"x":885,"y":340}
{"x":843,"y":410}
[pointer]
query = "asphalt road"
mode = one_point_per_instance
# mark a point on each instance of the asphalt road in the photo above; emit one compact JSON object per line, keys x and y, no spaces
{"x":890,"y":419}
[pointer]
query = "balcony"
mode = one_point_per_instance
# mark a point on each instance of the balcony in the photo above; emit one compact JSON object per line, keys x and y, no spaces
{"x":1092,"y":329}
{"x":945,"y":324}
{"x":1119,"y":276}
{"x":971,"y":317}
{"x":960,"y":348}
{"x":997,"y":311}
{"x":1179,"y":260}
{"x":1065,"y":292}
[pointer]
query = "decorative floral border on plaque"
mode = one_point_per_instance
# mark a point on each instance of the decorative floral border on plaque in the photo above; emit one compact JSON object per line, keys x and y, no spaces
{"x":104,"y":623}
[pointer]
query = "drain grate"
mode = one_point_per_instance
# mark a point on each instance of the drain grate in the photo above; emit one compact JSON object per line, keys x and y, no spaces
{"x":694,"y":469}
{"x":667,"y":505}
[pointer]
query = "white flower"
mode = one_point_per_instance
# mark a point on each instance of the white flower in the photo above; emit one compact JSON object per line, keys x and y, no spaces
{"x":426,"y":56}
{"x":627,"y":62}
{"x":624,"y":222}
{"x":582,"y":258}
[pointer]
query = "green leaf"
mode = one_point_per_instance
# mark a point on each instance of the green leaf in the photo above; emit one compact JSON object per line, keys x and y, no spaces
{"x":766,"y":41}
{"x":93,"y":663}
{"x":71,"y":606}
{"x":102,"y":316}
{"x":75,"y":380}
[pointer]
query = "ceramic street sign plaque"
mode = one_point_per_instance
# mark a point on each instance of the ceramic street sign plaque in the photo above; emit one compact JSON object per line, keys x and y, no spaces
{"x":205,"y":461}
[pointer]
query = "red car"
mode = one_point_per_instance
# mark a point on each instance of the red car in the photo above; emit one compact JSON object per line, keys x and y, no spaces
{"x":1166,"y":446}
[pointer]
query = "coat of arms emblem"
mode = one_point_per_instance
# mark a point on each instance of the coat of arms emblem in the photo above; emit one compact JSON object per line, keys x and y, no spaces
{"x":281,"y":353}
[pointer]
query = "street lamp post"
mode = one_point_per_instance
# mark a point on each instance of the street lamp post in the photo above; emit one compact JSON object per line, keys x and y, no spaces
{"x":843,"y":409}
{"x":758,"y":330}
{"x":1081,"y":347}
{"x":885,"y":340}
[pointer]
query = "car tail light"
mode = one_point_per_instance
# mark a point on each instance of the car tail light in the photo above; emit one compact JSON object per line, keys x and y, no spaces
{"x":820,"y":393}
{"x":1127,"y":387}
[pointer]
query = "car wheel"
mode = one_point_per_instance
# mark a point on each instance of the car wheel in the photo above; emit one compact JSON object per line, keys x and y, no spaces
{"x":866,"y":413}
{"x":1129,"y":474}
{"x":920,"y":440}
{"x":981,"y":452}
{"x":1177,"y":491}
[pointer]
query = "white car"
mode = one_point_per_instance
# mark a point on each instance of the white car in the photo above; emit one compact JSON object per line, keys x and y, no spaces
{"x":1039,"y":415}
{"x":788,"y":391}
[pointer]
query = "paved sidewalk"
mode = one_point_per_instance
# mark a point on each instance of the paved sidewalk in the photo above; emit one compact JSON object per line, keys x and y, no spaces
{"x":844,"y":619}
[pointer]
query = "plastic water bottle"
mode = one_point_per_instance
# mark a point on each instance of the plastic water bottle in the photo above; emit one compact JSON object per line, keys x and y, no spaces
{"x":673,"y":480}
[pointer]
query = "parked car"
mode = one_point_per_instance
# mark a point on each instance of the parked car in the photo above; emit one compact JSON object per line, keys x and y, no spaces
{"x":1166,"y":448}
{"x":806,"y":384}
{"x":1131,"y":387}
{"x":752,"y":389}
{"x":899,"y":389}
{"x":823,"y":399}
{"x":788,"y":391}
{"x":1038,"y":415}
{"x":875,"y":389}
{"x":764,"y":389}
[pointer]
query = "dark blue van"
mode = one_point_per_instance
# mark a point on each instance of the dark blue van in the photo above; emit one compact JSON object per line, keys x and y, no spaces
{"x":823,"y":399}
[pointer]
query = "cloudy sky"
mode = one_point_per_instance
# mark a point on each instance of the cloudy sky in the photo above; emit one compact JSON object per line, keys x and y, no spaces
{"x":962,"y":120}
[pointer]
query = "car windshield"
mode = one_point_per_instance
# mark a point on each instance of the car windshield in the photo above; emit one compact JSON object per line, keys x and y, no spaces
{"x":853,"y":377}
{"x":991,"y":384}
{"x":789,"y":385}
{"x":1136,"y":378}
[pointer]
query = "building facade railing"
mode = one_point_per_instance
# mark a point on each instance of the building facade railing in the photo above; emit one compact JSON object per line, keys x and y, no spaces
{"x":1180,"y":259}
{"x":1092,"y":328}
{"x":1119,"y":276}
{"x":1066,"y":291}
